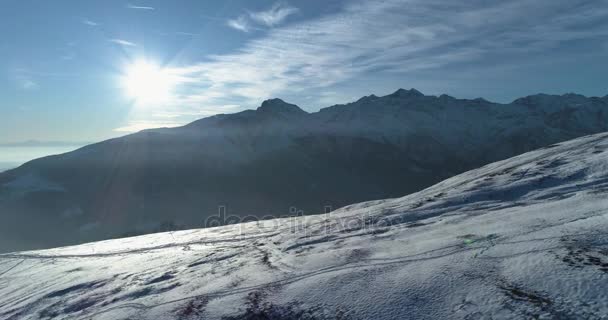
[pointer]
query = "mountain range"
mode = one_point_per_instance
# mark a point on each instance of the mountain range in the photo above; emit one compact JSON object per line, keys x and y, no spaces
{"x":276,"y":160}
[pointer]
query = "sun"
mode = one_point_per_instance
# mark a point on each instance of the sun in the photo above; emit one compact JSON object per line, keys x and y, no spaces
{"x":147,"y":83}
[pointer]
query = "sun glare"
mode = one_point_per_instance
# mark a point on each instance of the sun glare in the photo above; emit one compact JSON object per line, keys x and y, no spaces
{"x":147,"y":83}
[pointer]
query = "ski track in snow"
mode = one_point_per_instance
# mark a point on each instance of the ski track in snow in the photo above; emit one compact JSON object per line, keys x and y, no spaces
{"x":521,"y":238}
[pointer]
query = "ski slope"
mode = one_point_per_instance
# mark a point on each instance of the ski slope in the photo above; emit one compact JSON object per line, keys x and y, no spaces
{"x":522,"y":238}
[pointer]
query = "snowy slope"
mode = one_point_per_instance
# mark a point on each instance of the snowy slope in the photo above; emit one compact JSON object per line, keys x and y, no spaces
{"x":522,"y":238}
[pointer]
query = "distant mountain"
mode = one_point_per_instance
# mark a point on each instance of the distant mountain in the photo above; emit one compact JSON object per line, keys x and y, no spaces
{"x":264,"y":161}
{"x":37,"y":143}
{"x":523,"y":238}
{"x":7,"y":165}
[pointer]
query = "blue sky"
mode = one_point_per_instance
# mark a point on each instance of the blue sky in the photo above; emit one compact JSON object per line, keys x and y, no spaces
{"x":61,"y":62}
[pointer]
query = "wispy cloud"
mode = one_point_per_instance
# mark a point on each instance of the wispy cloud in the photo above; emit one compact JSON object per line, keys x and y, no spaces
{"x":267,"y":18}
{"x":178,"y":34}
{"x":275,"y":15}
{"x":68,"y":56}
{"x":399,"y":38}
{"x":396,"y":36}
{"x":240,"y":23}
{"x":24,"y":79}
{"x":123,"y":42}
{"x":135,"y":126}
{"x":136,"y":7}
{"x":28,"y":84}
{"x":183,"y":33}
{"x":90,"y":23}
{"x":171,"y":116}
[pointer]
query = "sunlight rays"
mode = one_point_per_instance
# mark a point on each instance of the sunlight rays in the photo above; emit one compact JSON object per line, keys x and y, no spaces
{"x":148,"y":83}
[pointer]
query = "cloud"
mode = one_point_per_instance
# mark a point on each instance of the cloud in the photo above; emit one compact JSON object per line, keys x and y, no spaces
{"x":187,"y":34}
{"x":268,"y":18}
{"x":123,"y":42}
{"x":369,"y":40}
{"x":28,"y":84}
{"x":68,"y":56}
{"x":135,"y":126}
{"x":24,"y":79}
{"x":171,"y":116}
{"x":241,"y":23}
{"x":275,"y":15}
{"x":394,"y":36}
{"x":89,"y":22}
{"x":135,"y":7}
{"x":178,"y":34}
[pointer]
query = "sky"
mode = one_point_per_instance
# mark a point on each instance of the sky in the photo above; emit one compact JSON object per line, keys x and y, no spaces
{"x":74,"y":70}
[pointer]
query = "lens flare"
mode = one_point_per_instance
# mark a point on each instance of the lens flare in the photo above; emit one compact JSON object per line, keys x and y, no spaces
{"x":147,"y":83}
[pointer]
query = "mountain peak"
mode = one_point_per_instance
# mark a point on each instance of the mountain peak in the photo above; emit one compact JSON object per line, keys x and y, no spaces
{"x":277,"y":105}
{"x":546,"y":99}
{"x":407,"y":93}
{"x":371,"y":97}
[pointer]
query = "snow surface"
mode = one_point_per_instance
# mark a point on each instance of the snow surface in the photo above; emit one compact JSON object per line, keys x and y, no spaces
{"x":521,"y":238}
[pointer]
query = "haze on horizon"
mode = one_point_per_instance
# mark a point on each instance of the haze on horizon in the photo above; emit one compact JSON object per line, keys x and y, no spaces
{"x":73,"y":70}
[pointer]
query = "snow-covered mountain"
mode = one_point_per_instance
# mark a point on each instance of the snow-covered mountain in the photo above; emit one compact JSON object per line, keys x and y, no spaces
{"x":524,"y":238}
{"x":269,"y":160}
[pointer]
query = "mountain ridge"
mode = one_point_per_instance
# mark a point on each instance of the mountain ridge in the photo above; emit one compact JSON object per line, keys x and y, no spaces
{"x":268,"y":160}
{"x":411,"y":93}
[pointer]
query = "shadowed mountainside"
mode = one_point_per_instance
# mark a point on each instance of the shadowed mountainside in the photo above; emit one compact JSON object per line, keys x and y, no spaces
{"x":264,"y":161}
{"x":523,"y":238}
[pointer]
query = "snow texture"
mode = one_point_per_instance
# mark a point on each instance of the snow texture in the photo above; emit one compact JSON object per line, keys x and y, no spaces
{"x":522,"y":238}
